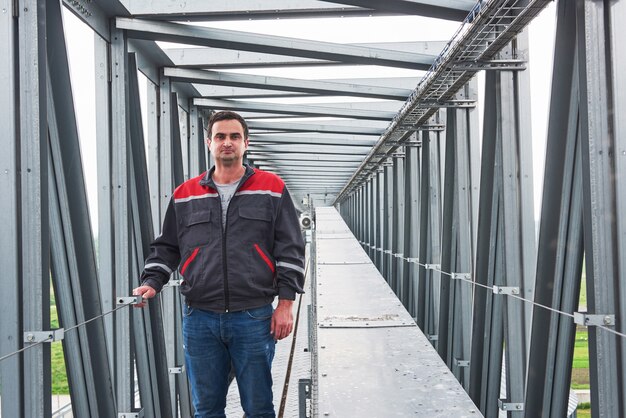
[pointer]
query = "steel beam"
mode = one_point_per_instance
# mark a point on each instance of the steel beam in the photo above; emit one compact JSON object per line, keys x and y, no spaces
{"x":411,"y":219}
{"x":255,"y":42}
{"x":34,"y":274}
{"x":284,"y":84}
{"x":449,"y":10}
{"x":603,"y":194}
{"x":313,"y":149}
{"x":11,"y":375}
{"x":291,"y":109}
{"x":124,"y":380}
{"x":319,"y":127}
{"x":318,"y":139}
{"x":74,"y":271}
{"x":235,"y":9}
{"x":225,"y":58}
{"x":560,"y":255}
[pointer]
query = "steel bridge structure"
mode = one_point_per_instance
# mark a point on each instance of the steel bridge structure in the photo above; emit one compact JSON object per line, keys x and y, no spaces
{"x":445,"y":212}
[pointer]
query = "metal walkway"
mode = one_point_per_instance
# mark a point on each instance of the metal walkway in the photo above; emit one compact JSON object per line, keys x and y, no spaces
{"x":372,"y":359}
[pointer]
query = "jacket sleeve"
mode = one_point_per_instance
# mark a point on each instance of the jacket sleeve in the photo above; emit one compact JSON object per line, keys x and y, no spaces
{"x":288,"y":250}
{"x":164,"y":255}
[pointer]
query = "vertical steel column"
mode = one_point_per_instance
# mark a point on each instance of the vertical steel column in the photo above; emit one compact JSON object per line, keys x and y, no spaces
{"x":11,"y":376}
{"x":197,"y":161}
{"x":380,"y":221}
{"x":513,"y":110}
{"x":430,"y":235}
{"x":487,"y":329}
{"x":32,"y":198}
{"x":124,"y":380}
{"x":74,"y":271}
{"x":105,"y":255}
{"x":149,"y":343}
{"x":167,"y":185}
{"x":560,"y":254}
{"x":387,"y":222}
{"x":369,"y":228}
{"x":457,"y":245}
{"x":154,"y":155}
{"x":411,"y":220}
{"x":398,"y":231}
{"x":602,"y":110}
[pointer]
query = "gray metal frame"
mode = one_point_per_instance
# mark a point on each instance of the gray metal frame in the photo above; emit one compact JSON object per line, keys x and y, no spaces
{"x":446,"y":218}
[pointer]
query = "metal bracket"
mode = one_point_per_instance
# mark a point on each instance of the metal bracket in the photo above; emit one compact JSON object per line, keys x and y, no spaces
{"x":387,"y":251}
{"x":176,"y":370}
{"x":593,"y":320}
{"x":461,"y":276}
{"x":510,"y":406}
{"x":433,"y":337}
{"x":398,"y":255}
{"x":506,"y":290}
{"x":461,"y":363}
{"x":129,"y":300}
{"x":432,"y":266}
{"x":173,"y":283}
{"x":44,"y":336}
{"x":413,"y":260}
{"x":304,"y":392}
{"x":137,"y":414}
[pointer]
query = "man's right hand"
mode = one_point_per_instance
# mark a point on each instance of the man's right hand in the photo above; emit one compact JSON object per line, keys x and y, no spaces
{"x":146,"y":292}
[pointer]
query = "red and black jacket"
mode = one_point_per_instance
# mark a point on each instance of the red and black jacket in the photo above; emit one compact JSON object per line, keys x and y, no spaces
{"x":258,"y":254}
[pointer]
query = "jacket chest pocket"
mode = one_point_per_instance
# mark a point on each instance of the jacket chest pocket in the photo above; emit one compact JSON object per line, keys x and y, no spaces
{"x":197,"y":229}
{"x":256,"y":221}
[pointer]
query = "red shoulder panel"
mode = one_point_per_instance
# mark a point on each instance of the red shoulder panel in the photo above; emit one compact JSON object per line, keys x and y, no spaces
{"x":192,"y":187}
{"x":262,"y":180}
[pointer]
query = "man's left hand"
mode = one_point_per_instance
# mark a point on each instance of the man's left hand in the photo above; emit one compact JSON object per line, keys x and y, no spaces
{"x":282,"y":319}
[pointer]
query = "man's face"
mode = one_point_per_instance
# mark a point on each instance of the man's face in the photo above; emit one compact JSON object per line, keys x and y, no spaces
{"x":227,"y":143}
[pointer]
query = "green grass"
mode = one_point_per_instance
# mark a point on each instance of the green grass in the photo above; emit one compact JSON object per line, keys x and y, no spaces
{"x":59,"y":376}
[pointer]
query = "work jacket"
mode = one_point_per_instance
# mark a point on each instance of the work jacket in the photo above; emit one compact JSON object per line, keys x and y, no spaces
{"x":258,"y":254}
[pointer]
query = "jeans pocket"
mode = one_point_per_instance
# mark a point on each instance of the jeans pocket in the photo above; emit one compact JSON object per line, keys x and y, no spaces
{"x":261,"y":314}
{"x":187,"y":310}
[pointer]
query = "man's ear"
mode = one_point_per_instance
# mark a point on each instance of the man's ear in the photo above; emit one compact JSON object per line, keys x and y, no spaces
{"x":247,"y":142}
{"x":207,"y":141}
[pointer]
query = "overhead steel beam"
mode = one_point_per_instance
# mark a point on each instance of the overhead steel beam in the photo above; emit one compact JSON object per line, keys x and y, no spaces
{"x":321,"y":164}
{"x":306,"y":157}
{"x":318,"y":139}
{"x":315,"y":149}
{"x":304,"y":169}
{"x":320,"y":127}
{"x":449,"y":10}
{"x":284,"y":84}
{"x":300,"y":110}
{"x":255,"y":42}
{"x":234,"y":10}
{"x":227,"y":58}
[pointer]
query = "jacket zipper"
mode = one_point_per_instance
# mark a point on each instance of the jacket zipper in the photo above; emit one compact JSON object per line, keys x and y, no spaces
{"x":224,"y":230}
{"x":226,"y":293}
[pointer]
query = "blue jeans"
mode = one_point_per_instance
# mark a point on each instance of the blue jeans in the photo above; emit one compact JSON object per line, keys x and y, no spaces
{"x":212,"y":341}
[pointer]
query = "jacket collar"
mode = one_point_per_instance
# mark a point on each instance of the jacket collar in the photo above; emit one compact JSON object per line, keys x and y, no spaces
{"x":207,"y":180}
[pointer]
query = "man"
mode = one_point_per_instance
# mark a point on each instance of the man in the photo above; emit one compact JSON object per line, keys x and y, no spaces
{"x":234,"y":236}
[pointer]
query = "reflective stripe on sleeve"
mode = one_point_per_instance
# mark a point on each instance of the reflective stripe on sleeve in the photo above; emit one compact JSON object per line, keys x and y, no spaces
{"x":290,"y":266}
{"x":161,"y":266}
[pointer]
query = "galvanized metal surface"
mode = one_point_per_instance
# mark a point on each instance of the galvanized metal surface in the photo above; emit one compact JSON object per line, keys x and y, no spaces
{"x":373,"y":359}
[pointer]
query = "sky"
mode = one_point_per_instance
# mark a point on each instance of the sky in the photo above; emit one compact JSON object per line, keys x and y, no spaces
{"x":339,"y":30}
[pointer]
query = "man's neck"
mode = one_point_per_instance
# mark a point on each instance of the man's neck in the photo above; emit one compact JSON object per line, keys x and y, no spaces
{"x":228,"y":174}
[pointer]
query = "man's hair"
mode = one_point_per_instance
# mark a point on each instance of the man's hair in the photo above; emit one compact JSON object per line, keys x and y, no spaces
{"x":227,"y":115}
